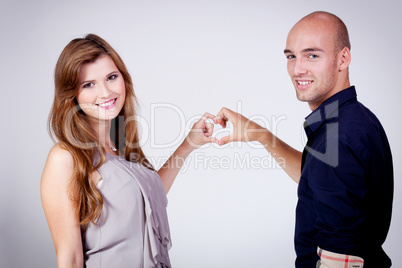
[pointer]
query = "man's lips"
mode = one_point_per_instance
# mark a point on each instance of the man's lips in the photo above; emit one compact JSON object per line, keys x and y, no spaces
{"x":107,"y":104}
{"x":304,"y":82}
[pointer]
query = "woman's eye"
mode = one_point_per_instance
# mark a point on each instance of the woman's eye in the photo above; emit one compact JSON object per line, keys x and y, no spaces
{"x":112,"y":77}
{"x":87,"y":85}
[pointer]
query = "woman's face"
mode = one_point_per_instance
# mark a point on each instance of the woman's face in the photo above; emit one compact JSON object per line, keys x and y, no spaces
{"x":102,"y":91}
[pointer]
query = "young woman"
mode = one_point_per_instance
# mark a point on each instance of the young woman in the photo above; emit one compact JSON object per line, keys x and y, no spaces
{"x":104,"y":202}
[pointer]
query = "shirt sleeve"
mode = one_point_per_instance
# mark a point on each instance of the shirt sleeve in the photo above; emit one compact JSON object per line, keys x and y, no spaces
{"x":339,"y":193}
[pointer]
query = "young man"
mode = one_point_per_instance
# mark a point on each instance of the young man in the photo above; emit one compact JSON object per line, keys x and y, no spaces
{"x":345,"y":172}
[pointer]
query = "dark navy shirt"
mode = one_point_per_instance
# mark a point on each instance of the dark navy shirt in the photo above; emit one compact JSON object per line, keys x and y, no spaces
{"x":346,"y":187}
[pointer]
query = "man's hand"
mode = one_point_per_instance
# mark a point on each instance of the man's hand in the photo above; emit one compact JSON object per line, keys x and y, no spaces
{"x":243,"y":128}
{"x":246,"y":130}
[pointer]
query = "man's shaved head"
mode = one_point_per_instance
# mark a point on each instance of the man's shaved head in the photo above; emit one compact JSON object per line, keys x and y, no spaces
{"x":341,"y":35}
{"x":318,"y":53}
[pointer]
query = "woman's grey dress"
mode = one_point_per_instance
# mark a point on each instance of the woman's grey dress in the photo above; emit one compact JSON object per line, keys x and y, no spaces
{"x":133,"y":229}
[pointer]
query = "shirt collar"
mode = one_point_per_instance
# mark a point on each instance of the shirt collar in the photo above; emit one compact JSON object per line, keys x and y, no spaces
{"x":328,"y":109}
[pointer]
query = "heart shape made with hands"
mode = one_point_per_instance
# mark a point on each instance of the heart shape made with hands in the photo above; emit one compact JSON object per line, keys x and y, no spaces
{"x":204,"y":131}
{"x":221,"y":129}
{"x":241,"y":128}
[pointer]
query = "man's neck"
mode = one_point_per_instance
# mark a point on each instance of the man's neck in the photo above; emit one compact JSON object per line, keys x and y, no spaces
{"x":315,"y":105}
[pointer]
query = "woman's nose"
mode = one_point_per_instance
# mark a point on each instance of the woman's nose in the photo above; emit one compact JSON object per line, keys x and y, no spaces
{"x":104,"y":91}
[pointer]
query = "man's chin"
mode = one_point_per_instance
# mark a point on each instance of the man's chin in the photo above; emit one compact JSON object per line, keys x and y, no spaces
{"x":301,"y":97}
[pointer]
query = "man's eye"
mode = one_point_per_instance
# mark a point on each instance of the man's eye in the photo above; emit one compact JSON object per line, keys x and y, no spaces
{"x":312,"y":56}
{"x":289,"y":57}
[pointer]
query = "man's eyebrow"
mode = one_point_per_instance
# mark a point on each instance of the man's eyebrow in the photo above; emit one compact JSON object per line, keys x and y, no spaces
{"x":312,"y":49}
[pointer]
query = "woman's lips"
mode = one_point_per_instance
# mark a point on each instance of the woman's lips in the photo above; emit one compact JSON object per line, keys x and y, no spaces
{"x":108,"y":104}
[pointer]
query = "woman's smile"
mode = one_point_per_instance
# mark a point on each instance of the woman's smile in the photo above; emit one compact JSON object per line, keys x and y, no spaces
{"x":107,"y":104}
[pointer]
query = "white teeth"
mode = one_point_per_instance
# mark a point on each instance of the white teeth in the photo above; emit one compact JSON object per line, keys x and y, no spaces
{"x":303,"y":83}
{"x":105,"y":104}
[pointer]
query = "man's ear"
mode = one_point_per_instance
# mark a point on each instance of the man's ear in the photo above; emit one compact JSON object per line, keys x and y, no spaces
{"x":344,"y":58}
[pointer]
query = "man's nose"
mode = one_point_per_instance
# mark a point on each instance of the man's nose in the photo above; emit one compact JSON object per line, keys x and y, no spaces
{"x":300,"y":67}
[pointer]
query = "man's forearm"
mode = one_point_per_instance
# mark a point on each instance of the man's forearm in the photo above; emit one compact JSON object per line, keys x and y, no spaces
{"x":286,"y":156}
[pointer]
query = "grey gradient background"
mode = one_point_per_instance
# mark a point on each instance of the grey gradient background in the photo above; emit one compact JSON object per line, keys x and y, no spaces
{"x":196,"y":56}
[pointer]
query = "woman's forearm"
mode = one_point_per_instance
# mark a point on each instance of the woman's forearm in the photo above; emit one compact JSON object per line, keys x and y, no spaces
{"x":168,"y":172}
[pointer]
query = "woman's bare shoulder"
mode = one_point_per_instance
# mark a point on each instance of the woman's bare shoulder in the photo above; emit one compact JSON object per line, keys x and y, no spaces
{"x":59,"y":165}
{"x":59,"y":205}
{"x":61,"y":155}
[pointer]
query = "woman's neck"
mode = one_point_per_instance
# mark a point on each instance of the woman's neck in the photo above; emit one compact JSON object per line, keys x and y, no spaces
{"x":102,"y":129}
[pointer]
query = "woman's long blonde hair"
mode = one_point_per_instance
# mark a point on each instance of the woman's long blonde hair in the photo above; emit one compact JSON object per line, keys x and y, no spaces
{"x":69,"y":125}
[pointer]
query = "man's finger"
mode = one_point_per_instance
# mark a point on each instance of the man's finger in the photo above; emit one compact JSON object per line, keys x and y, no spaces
{"x":221,"y":120}
{"x":213,"y":140}
{"x":207,"y":116}
{"x":225,"y":140}
{"x":225,"y":115}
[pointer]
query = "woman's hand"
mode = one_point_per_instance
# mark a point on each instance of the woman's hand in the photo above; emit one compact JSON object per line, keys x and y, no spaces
{"x":201,"y":133}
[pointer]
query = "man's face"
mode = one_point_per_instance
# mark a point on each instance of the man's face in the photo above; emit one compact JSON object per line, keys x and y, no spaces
{"x":312,"y":62}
